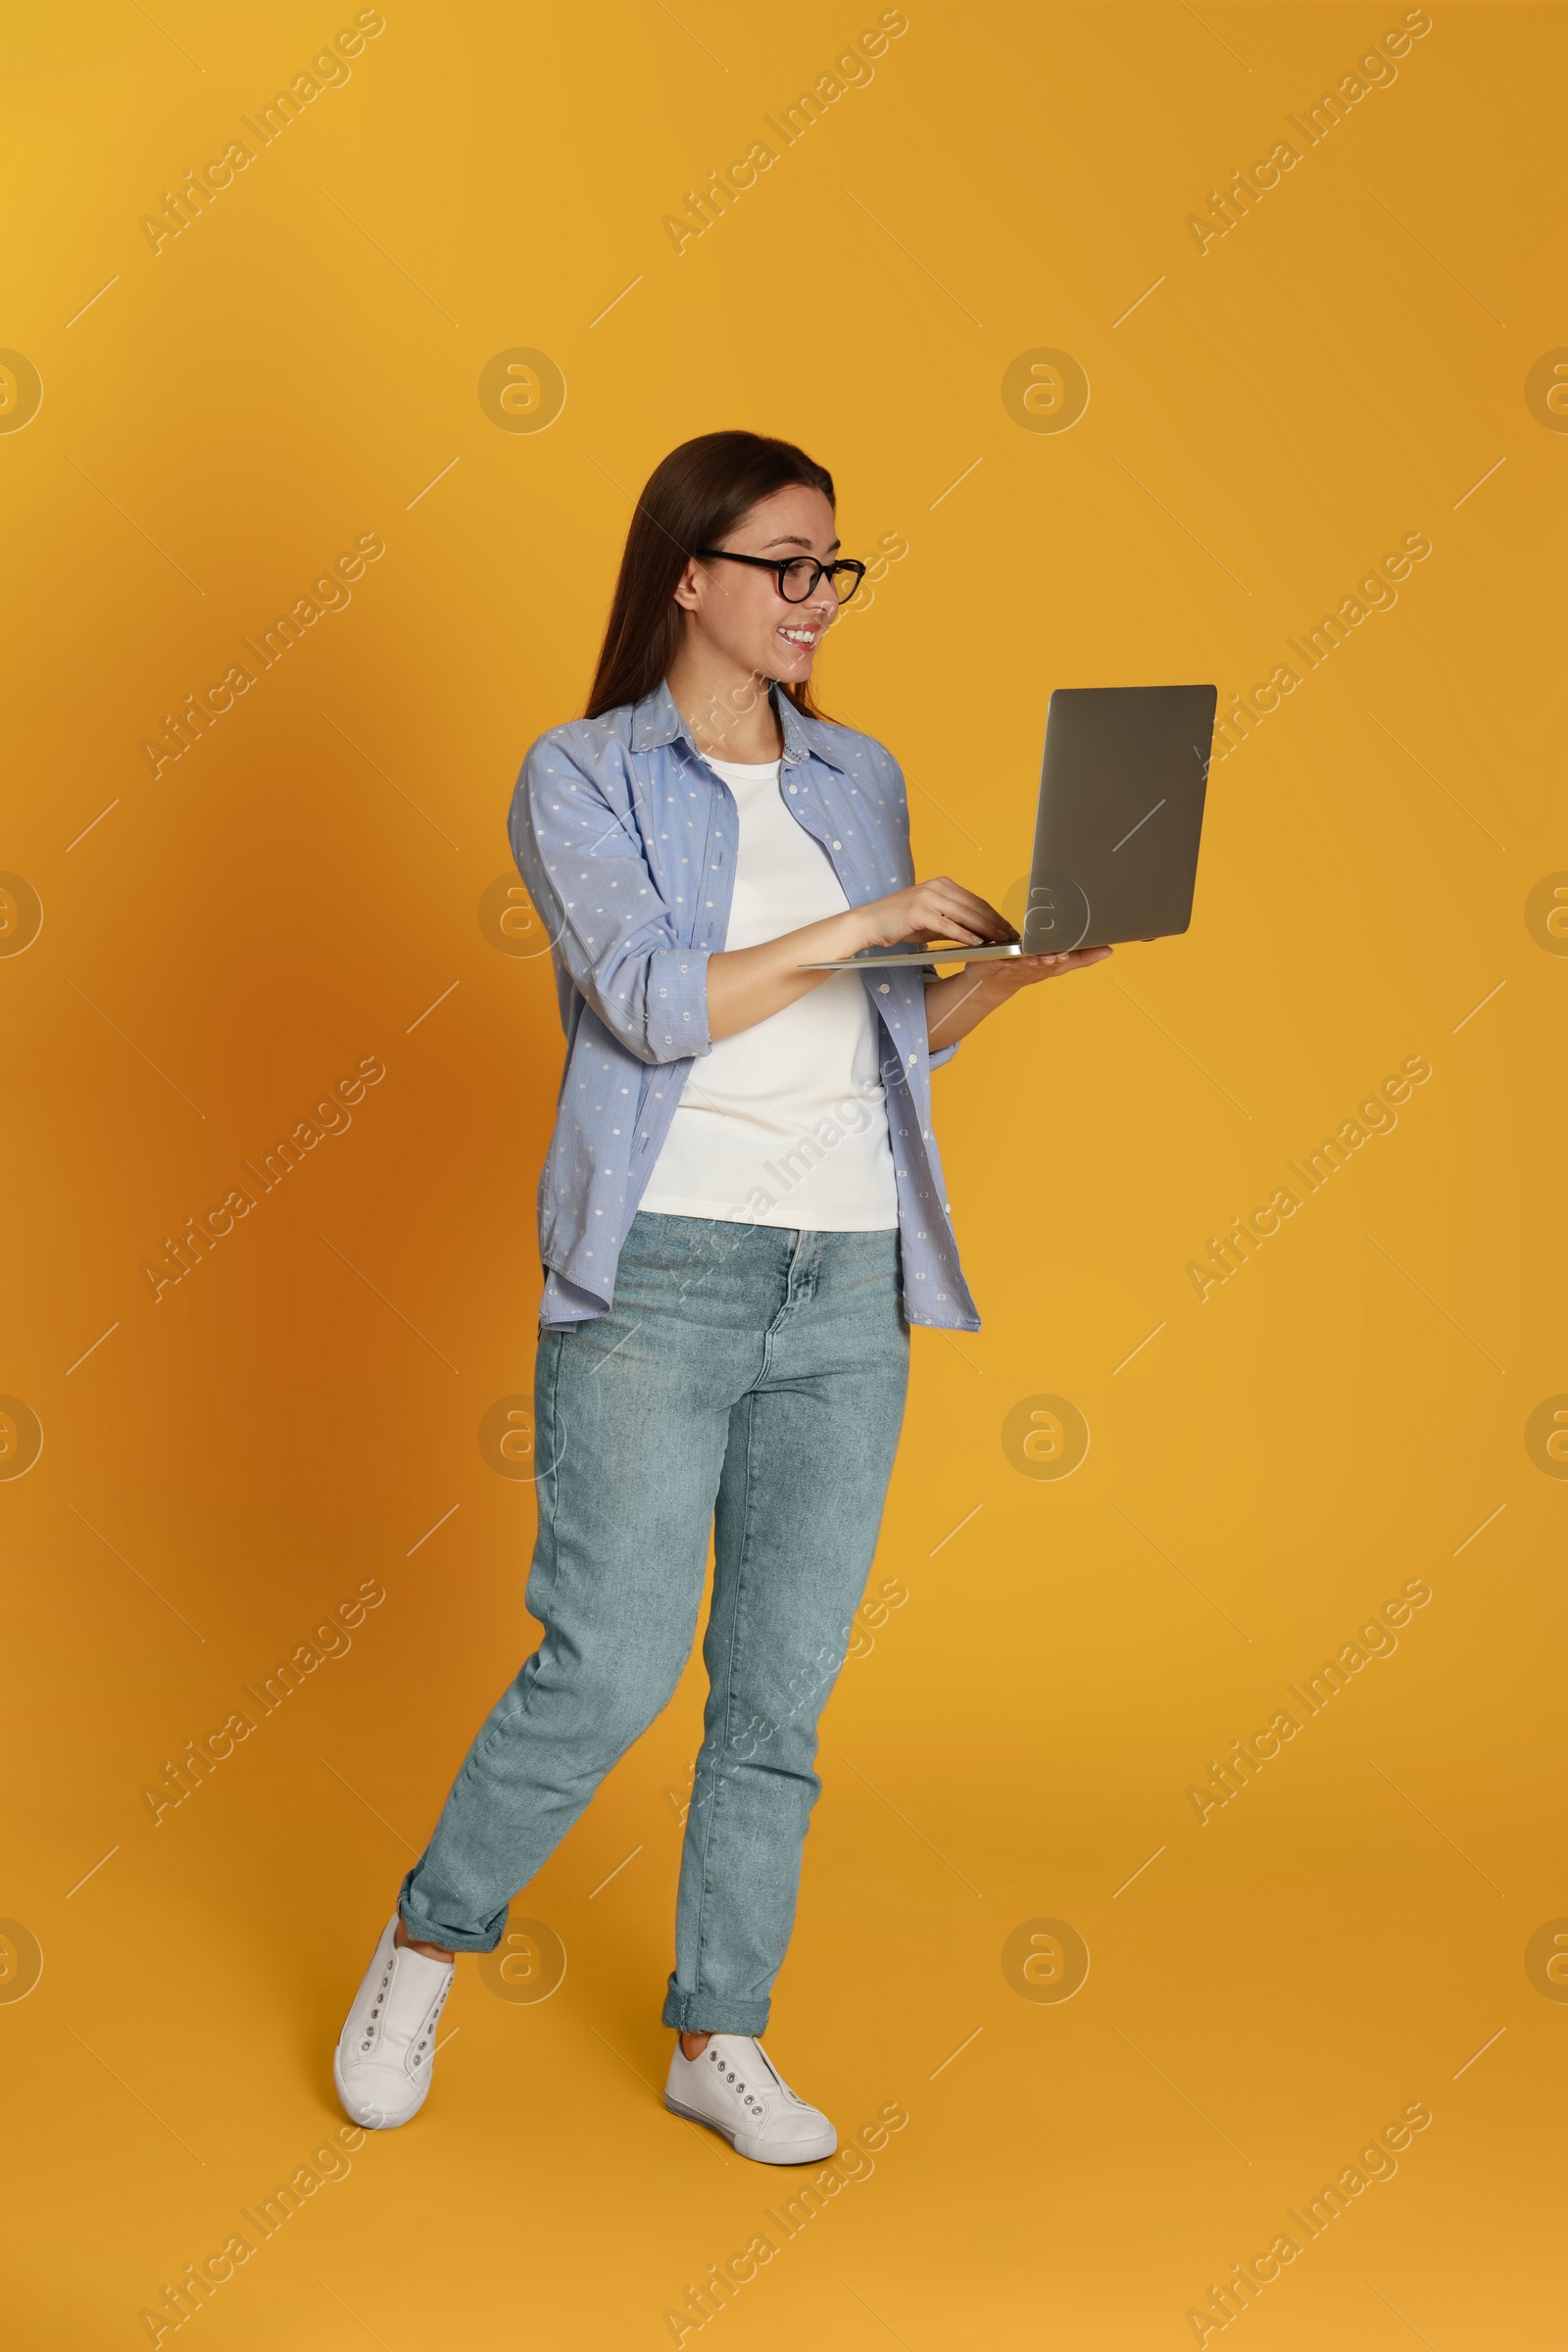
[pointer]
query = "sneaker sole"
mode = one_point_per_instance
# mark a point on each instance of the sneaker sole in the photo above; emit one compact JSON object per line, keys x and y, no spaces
{"x":818,"y":2154}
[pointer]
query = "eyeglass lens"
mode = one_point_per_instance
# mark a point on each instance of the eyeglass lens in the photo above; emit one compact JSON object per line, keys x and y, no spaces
{"x":800,"y":579}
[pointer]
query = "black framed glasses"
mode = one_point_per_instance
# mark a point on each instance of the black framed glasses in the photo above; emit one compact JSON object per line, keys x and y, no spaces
{"x":797,"y":575}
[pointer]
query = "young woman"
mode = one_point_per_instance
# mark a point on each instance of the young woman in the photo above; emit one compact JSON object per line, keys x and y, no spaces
{"x":741,"y":1213}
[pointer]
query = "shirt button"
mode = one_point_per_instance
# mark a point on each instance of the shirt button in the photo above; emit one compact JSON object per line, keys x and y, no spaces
{"x":794,"y":788}
{"x":837,"y":845}
{"x":882,"y":987}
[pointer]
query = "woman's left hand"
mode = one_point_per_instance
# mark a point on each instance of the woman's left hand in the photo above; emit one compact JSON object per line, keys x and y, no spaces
{"x":1029,"y":969}
{"x":959,"y":1004}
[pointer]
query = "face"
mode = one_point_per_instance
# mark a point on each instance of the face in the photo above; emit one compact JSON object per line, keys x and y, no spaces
{"x":738,"y":610}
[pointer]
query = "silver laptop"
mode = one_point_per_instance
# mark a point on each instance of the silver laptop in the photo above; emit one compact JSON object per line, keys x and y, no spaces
{"x":1116,"y":830}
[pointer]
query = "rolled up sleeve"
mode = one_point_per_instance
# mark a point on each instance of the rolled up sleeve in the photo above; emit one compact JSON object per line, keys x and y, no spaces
{"x":581,"y":857}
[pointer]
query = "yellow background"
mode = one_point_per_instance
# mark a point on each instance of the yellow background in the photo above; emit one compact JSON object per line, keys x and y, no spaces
{"x":293,"y":370}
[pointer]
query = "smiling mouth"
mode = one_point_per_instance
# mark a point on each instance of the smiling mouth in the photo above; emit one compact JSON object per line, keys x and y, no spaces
{"x":806,"y":639}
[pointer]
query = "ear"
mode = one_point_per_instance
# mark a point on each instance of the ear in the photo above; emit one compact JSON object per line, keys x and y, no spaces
{"x":684,"y":591}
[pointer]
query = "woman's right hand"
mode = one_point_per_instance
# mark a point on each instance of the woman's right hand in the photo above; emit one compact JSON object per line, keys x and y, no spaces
{"x":940,"y":909}
{"x":746,"y":985}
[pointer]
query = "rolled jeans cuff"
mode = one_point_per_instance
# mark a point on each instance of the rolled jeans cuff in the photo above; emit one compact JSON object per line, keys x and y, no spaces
{"x":700,"y":2013}
{"x":426,"y":1930}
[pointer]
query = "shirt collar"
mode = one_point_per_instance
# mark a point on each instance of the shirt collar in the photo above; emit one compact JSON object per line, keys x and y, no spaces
{"x":654,"y":720}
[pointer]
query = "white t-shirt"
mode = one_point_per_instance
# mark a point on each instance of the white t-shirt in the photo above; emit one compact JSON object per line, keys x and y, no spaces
{"x":784,"y":1123}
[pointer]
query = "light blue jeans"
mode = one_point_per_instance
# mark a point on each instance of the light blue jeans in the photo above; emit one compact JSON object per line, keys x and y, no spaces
{"x":748,"y":1379}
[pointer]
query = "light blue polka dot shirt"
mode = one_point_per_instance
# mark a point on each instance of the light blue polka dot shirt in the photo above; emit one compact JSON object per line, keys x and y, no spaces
{"x":626,"y":840}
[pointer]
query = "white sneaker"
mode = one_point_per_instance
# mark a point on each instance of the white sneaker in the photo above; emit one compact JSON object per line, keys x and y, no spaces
{"x":733,"y":2088}
{"x":383,"y":2058}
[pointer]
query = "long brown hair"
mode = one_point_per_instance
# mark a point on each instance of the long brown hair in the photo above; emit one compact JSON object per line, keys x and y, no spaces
{"x":692,"y":499}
